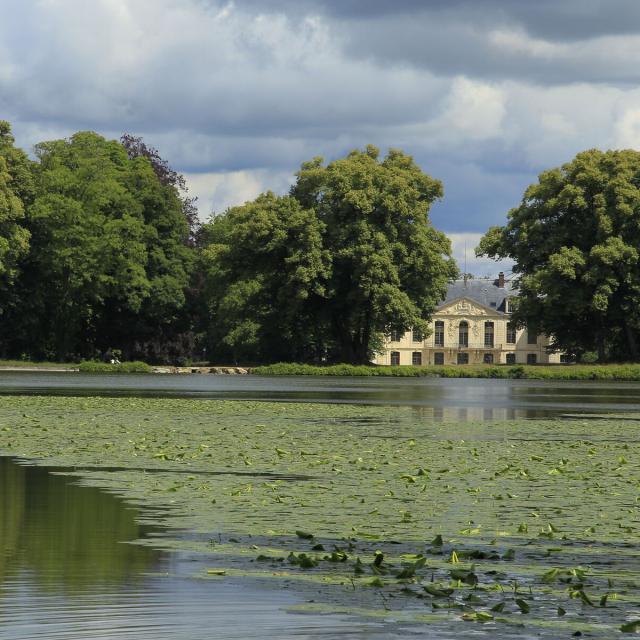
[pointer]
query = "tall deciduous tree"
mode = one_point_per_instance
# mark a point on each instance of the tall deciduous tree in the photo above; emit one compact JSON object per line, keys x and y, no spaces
{"x":109,"y":264}
{"x":16,"y":187}
{"x":575,"y":240}
{"x":349,"y":255}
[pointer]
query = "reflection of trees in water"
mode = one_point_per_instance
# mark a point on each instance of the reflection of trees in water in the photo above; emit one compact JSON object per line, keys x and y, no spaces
{"x":68,"y":536}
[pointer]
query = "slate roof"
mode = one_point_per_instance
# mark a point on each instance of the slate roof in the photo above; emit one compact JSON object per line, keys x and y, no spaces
{"x":483,"y":290}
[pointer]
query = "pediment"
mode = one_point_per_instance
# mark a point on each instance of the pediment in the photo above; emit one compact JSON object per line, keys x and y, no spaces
{"x":465,"y":307}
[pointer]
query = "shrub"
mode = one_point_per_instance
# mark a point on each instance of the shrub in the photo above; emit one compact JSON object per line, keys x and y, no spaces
{"x":92,"y":366}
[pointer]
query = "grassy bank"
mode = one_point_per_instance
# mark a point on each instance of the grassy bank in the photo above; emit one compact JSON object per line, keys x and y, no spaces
{"x":369,"y":509}
{"x":26,"y":364}
{"x":531,"y":372}
{"x":92,"y":366}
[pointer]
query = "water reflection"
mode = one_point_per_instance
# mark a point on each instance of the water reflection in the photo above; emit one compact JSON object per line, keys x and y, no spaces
{"x":441,"y":399}
{"x":66,"y":536}
{"x":65,"y":575}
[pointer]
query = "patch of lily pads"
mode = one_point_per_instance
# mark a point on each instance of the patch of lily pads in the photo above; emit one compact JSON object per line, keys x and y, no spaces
{"x":527,"y":527}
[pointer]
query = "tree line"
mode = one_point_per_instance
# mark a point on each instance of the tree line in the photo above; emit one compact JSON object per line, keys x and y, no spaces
{"x":101,"y":252}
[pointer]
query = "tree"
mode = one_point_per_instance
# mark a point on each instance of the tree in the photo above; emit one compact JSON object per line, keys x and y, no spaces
{"x":263,"y":261}
{"x":575,"y":239}
{"x":108,"y":265}
{"x":15,"y":188}
{"x":136,"y":147}
{"x":16,"y":191}
{"x":349,"y":255}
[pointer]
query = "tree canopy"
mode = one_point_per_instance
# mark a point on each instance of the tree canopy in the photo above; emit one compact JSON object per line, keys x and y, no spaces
{"x":575,"y":240}
{"x":108,"y":263}
{"x":322,"y":273}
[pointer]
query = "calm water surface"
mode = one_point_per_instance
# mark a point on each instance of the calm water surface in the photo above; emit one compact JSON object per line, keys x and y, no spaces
{"x":439,"y":399}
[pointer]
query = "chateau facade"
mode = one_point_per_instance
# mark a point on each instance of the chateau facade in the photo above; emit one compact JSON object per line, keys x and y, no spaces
{"x":472,"y":325}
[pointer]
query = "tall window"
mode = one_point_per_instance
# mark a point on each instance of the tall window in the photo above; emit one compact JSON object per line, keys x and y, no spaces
{"x":488,"y":334}
{"x":396,"y":336}
{"x":395,"y":358}
{"x":417,"y":336}
{"x":463,"y":358}
{"x":511,"y":358}
{"x":509,"y":305}
{"x":532,"y":337}
{"x":511,"y":333}
{"x":416,"y":358}
{"x":463,"y":334}
{"x":438,"y":336}
{"x":438,"y":358}
{"x":532,"y":358}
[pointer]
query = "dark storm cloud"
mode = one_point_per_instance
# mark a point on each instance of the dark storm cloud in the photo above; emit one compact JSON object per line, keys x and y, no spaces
{"x":545,"y":41}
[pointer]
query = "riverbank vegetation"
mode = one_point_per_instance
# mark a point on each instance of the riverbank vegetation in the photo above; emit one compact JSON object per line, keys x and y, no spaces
{"x":92,"y":366}
{"x":535,"y":372}
{"x":526,"y":527}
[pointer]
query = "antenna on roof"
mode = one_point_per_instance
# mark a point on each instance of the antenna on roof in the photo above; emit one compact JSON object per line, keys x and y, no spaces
{"x":465,"y":264}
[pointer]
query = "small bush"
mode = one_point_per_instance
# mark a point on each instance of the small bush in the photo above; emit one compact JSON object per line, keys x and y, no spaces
{"x":92,"y":366}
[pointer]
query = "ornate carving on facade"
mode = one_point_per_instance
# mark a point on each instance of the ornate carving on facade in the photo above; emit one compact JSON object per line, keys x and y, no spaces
{"x":465,"y":308}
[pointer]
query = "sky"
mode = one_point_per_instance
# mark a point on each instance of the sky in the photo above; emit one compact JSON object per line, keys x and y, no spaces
{"x":485,"y":94}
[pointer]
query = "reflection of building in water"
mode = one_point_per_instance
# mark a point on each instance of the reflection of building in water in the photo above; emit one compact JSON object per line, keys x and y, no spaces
{"x":471,"y":326}
{"x":472,"y":414}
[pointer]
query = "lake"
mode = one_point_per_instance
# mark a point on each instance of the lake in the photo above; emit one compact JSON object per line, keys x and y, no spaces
{"x":437,"y":398}
{"x":68,"y":568}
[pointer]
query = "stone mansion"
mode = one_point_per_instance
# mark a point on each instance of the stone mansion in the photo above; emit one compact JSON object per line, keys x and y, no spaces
{"x":471,"y":326}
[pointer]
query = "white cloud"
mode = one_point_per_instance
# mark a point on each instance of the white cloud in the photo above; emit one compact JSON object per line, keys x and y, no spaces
{"x":218,"y":191}
{"x":463,"y":246}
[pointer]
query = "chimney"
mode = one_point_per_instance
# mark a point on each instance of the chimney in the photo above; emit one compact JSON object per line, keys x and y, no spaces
{"x":501,"y":280}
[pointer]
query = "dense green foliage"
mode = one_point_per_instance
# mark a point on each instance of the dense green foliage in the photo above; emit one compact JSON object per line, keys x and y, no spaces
{"x":323,"y":273}
{"x":527,"y":526}
{"x":108,"y":264}
{"x":575,"y":241}
{"x":537,"y":372}
{"x":92,"y":366}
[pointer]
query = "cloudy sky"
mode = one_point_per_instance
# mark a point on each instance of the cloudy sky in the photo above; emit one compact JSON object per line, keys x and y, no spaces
{"x":483,"y":93}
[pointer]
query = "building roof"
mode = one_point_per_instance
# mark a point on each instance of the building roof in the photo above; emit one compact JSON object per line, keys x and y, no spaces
{"x":483,"y":290}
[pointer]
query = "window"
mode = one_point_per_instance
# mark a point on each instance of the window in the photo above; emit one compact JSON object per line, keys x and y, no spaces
{"x":565,"y":358}
{"x":438,"y":358}
{"x":395,"y":358}
{"x":492,"y":305}
{"x":532,"y":358}
{"x":511,"y":333}
{"x":532,"y":337}
{"x":417,"y":336}
{"x":416,"y":358}
{"x":396,"y":335}
{"x":488,"y":334}
{"x":438,"y":337}
{"x":463,"y":358}
{"x":511,"y":358}
{"x":488,"y":358}
{"x":463,"y":334}
{"x":509,"y":305}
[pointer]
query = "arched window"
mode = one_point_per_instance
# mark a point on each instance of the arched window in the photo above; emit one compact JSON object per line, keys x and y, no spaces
{"x":438,"y":335}
{"x":488,"y":334}
{"x":463,"y":334}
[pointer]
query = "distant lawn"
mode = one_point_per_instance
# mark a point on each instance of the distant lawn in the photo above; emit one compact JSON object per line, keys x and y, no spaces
{"x":531,"y":372}
{"x":47,"y":365}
